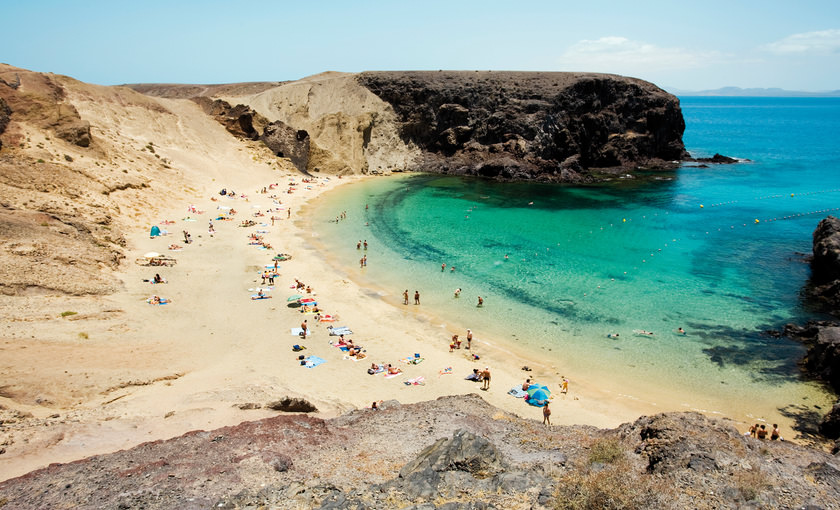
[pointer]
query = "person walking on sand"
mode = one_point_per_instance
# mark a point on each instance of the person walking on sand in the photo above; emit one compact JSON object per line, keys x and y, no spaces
{"x":289,"y":213}
{"x":469,"y":338}
{"x":416,"y":297}
{"x":303,"y":327}
{"x":485,"y":377}
{"x":564,"y":388}
{"x":546,"y":415}
{"x":405,"y":297}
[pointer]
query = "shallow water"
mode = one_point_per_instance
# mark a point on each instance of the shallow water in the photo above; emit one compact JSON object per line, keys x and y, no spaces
{"x":561,"y":267}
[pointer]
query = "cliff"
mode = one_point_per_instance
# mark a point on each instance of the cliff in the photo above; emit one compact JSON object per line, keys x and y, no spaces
{"x":565,"y":127}
{"x":558,"y":127}
{"x":452,"y":453}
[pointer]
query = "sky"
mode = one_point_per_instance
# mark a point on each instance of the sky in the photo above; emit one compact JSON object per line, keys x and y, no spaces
{"x":676,"y":44}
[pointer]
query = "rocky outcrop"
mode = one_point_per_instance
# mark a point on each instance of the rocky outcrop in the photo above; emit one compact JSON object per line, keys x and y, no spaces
{"x":451,"y":453}
{"x":830,"y":424}
{"x":520,"y":125}
{"x":239,"y":120}
{"x":287,"y":142}
{"x":5,"y":115}
{"x":292,"y":405}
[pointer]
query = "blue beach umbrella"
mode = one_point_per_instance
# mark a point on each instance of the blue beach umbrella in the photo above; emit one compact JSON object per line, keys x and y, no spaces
{"x":538,"y":395}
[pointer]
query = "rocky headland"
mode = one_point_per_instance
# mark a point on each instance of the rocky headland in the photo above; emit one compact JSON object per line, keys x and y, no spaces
{"x":452,"y":453}
{"x":557,"y":127}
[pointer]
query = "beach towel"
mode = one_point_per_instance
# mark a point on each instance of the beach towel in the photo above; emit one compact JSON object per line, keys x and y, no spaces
{"x":379,"y":368}
{"x":388,"y":376}
{"x":299,"y":331}
{"x":419,"y":380}
{"x":257,"y":296}
{"x":327,"y":318}
{"x":314,"y":361}
{"x":340,"y":331}
{"x":445,"y":371}
{"x":517,"y":392}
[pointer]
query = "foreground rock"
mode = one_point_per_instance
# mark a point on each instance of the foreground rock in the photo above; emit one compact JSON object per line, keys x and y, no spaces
{"x":452,"y":453}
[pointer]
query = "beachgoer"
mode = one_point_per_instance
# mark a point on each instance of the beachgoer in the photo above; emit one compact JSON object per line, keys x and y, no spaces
{"x":485,"y":377}
{"x":775,"y":433}
{"x":359,"y":245}
{"x":458,"y":292}
{"x":753,"y":430}
{"x":271,"y":278}
{"x":480,"y":301}
{"x":443,"y":267}
{"x":416,"y":297}
{"x":289,"y":213}
{"x":364,"y":260}
{"x":393,"y":370}
{"x":264,"y":276}
{"x":526,"y":384}
{"x":452,"y":269}
{"x":365,"y":244}
{"x":546,"y":415}
{"x":405,"y":297}
{"x":761,"y":433}
{"x":374,"y":406}
{"x":469,"y":338}
{"x":260,"y":293}
{"x":456,"y":344}
{"x":158,"y":279}
{"x":474,"y":376}
{"x":612,"y":335}
{"x":303,"y":326}
{"x":565,"y":386}
{"x":681,"y":331}
{"x":361,"y":262}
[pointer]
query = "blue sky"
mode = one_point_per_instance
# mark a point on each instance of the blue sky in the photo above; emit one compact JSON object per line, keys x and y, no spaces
{"x":679,"y":44}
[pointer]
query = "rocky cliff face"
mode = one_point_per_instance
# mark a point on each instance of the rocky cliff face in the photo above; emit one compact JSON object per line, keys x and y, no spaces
{"x":455,"y":453}
{"x":530,"y":125}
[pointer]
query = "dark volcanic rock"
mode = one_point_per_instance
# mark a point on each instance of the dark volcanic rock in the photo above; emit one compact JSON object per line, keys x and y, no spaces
{"x":463,"y":452}
{"x":529,"y":125}
{"x":75,"y":131}
{"x":823,"y":358}
{"x":830,"y":425}
{"x":825,"y":265}
{"x":239,"y":120}
{"x":719,"y":159}
{"x":5,"y":115}
{"x":292,"y":405}
{"x":287,"y":142}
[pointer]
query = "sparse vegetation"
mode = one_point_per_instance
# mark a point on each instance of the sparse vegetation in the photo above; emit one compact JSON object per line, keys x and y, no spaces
{"x":750,"y":483}
{"x":605,"y":451}
{"x":67,"y":157}
{"x":84,"y":336}
{"x":68,"y":313}
{"x":616,"y":487}
{"x":40,"y":160}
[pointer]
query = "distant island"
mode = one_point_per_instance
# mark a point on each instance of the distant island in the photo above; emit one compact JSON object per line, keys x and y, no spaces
{"x":753,"y":92}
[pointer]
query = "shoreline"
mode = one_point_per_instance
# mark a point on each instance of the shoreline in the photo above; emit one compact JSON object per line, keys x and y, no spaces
{"x":144,"y":373}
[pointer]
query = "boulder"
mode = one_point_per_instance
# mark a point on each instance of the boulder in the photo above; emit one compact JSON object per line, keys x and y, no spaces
{"x":825,"y":265}
{"x":463,"y":452}
{"x":292,"y":405}
{"x":75,"y":131}
{"x":830,"y":424}
{"x":5,"y":115}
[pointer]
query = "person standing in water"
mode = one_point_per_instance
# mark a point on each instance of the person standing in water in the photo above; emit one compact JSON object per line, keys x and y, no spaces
{"x":480,"y":302}
{"x":416,"y":297}
{"x":405,"y":297}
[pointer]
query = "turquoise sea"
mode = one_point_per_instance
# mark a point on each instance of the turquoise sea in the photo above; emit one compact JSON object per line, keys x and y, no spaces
{"x":718,"y":251}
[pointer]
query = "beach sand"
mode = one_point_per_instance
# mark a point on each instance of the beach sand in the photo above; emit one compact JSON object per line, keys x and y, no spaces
{"x":121,"y":371}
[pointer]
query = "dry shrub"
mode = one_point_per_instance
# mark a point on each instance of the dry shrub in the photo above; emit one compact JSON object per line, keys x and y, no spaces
{"x":605,"y":451}
{"x":751,"y":483}
{"x":615,"y":487}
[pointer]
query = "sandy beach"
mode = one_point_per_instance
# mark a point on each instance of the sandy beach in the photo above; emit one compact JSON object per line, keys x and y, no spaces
{"x":121,"y":371}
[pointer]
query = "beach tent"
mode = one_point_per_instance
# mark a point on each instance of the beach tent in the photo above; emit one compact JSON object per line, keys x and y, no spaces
{"x":538,"y":395}
{"x":155,"y":231}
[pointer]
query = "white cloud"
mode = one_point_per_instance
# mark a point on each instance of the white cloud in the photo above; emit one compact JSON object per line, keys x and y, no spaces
{"x":621,"y":55}
{"x":821,"y":42}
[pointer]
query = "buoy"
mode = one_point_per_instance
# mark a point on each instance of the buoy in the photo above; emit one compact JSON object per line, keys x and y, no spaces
{"x":791,"y":194}
{"x":624,"y":220}
{"x":701,"y":206}
{"x":756,"y":220}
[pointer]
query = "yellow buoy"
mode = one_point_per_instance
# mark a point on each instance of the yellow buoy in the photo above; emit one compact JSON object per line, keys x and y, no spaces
{"x":624,"y":220}
{"x":756,"y":220}
{"x":701,"y":206}
{"x":791,"y":194}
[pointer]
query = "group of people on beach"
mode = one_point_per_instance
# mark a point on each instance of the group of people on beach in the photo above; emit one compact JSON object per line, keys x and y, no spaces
{"x":761,"y":432}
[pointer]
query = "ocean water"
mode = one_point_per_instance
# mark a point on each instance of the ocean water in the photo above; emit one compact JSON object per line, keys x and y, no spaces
{"x":717,"y":251}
